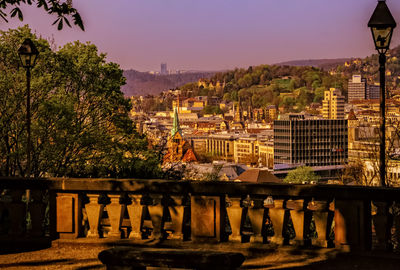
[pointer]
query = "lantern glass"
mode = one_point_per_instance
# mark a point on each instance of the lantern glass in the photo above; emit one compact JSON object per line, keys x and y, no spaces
{"x":28,"y":53}
{"x":382,"y":37}
{"x":28,"y":60}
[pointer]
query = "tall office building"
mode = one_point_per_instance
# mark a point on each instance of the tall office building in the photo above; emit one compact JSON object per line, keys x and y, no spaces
{"x":333,"y":104}
{"x":373,"y":91}
{"x":356,"y":88}
{"x":310,"y":142}
{"x":164,"y":70}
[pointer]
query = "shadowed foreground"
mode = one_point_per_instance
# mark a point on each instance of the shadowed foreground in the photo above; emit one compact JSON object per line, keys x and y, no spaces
{"x":83,"y":255}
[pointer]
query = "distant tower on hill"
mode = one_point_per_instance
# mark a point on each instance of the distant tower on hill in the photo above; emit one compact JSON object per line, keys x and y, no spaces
{"x":164,"y":70}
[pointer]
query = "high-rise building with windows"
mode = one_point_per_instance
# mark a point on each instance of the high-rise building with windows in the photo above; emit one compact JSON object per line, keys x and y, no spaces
{"x":357,"y":88}
{"x":310,"y":142}
{"x":373,"y":91}
{"x":164,"y":70}
{"x":333,"y":104}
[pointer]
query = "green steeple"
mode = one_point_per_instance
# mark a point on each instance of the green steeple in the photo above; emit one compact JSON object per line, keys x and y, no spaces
{"x":175,"y":126}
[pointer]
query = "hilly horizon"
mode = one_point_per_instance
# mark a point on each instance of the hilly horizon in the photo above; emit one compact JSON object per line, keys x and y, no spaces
{"x":143,"y":83}
{"x":140,"y":83}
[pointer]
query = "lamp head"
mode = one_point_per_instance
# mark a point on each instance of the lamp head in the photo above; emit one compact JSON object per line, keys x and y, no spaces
{"x":382,"y":24}
{"x":28,"y":53}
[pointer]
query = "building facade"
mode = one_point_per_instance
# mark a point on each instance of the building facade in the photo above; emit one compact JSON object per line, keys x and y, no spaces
{"x":356,"y":88}
{"x":310,"y":142}
{"x":333,"y":104}
{"x":373,"y":91}
{"x":163,"y":70}
{"x":246,"y":150}
{"x":221,"y":146}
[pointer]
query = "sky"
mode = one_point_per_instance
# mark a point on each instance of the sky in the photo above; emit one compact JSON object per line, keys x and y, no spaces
{"x":216,"y":34}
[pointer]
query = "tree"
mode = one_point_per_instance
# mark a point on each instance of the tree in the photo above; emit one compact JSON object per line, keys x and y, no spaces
{"x":210,"y":109}
{"x":319,"y":94}
{"x":80,"y":121}
{"x":303,"y":174}
{"x":64,"y":11}
{"x":355,"y":173}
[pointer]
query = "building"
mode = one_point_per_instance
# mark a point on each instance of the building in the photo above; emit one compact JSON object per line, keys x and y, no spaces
{"x":356,"y":88}
{"x":266,"y":154}
{"x":221,"y":146}
{"x":164,"y":70}
{"x":179,"y":150}
{"x":373,"y":91}
{"x":310,"y":142}
{"x":333,"y":104}
{"x":270,"y":113}
{"x":246,"y":149}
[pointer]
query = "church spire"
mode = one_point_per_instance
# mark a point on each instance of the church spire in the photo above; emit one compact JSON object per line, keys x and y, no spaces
{"x":175,"y":126}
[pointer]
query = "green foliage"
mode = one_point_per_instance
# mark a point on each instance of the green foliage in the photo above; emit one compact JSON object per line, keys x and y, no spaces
{"x":260,"y":86}
{"x":64,"y":11}
{"x":319,"y":94}
{"x":209,"y":109}
{"x":301,"y":175}
{"x":80,"y":121}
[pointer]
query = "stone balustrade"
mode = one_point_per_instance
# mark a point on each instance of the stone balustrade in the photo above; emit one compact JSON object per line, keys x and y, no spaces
{"x":350,"y":217}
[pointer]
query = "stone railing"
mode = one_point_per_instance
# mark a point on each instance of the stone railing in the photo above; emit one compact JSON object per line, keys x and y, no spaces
{"x":356,"y":218}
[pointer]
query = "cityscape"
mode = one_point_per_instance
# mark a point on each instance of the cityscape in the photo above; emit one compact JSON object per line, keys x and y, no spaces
{"x":176,"y":136}
{"x":334,"y":131}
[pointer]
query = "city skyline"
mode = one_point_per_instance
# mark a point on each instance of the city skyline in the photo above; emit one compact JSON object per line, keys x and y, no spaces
{"x":216,"y":35}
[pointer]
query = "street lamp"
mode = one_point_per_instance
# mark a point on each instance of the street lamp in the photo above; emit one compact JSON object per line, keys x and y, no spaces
{"x":27,"y":56}
{"x":382,"y":24}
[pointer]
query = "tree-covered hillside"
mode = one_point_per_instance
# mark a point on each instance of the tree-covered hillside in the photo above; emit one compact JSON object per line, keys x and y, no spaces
{"x":291,"y":87}
{"x":288,"y":86}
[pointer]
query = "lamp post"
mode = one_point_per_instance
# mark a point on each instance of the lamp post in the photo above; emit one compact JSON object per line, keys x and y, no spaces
{"x":382,"y":24}
{"x":27,"y":55}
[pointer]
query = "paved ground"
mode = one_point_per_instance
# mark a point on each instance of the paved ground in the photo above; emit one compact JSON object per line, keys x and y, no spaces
{"x":54,"y":258}
{"x":65,"y":255}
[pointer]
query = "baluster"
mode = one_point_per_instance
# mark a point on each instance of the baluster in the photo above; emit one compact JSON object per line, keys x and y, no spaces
{"x":135,"y":216}
{"x":176,"y":210}
{"x":256,"y":215}
{"x":37,"y":210}
{"x":396,"y":224}
{"x":277,"y":215}
{"x":5,"y":200}
{"x":234,"y":212}
{"x":17,"y":213}
{"x":323,"y":222}
{"x":94,"y":210}
{"x":115,"y":212}
{"x":267,"y":226}
{"x":156,"y":214}
{"x":382,"y":221}
{"x":246,"y":229}
{"x":300,"y":224}
{"x":186,"y":226}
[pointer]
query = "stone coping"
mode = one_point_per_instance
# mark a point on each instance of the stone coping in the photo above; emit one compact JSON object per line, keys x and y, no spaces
{"x":235,"y":189}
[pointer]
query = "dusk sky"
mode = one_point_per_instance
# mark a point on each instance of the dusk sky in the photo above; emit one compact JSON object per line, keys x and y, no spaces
{"x":217,"y":34}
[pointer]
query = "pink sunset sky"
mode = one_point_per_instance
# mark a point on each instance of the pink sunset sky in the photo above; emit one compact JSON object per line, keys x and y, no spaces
{"x":217,"y":34}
